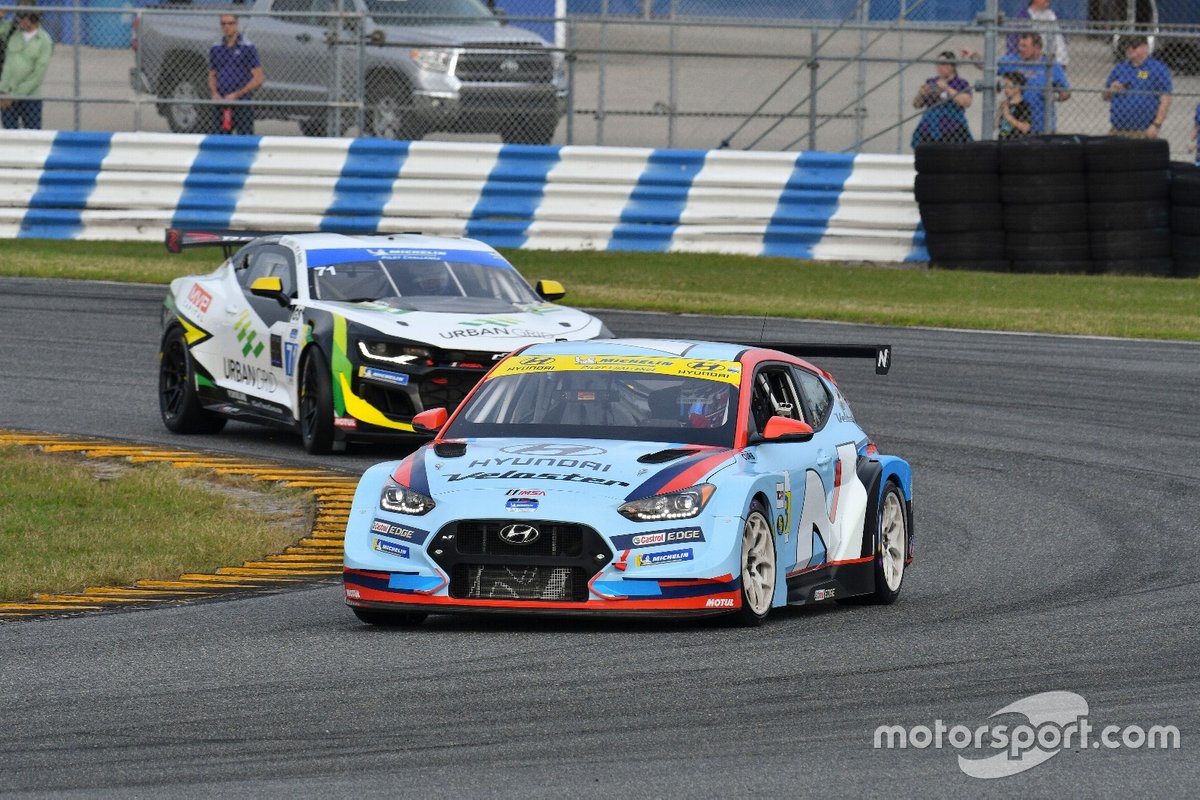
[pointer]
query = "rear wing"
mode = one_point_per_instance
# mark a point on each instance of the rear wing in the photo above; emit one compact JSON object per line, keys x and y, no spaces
{"x":179,"y":240}
{"x":881,"y":354}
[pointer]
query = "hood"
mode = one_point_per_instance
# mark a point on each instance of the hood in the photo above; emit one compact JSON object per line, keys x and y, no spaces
{"x":461,"y":35}
{"x":545,"y":468}
{"x":469,"y":323}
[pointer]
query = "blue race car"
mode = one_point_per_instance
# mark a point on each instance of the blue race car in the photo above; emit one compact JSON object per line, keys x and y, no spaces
{"x":635,"y":477}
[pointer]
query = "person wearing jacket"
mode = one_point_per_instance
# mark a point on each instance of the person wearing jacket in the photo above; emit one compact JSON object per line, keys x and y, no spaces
{"x":27,"y":56}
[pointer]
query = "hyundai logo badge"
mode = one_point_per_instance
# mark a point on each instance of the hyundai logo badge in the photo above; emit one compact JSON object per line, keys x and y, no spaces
{"x":519,"y":534}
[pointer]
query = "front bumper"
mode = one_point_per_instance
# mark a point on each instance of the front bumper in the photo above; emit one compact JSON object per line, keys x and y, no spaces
{"x":398,"y":591}
{"x":478,"y":106}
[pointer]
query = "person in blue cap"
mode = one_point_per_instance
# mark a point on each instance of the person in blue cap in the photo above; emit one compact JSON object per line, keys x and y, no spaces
{"x":1138,"y":91}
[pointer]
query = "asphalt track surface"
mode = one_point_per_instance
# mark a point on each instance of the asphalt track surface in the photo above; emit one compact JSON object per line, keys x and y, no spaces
{"x":1056,"y":514}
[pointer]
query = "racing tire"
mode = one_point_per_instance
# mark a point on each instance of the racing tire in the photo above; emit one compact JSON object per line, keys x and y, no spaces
{"x":390,"y":110}
{"x":1185,"y":220}
{"x":1068,"y":246}
{"x":956,"y":157}
{"x":1128,"y":216}
{"x":178,"y":403}
{"x":968,"y":246}
{"x":1119,"y":154}
{"x":390,"y":619}
{"x":758,"y":567}
{"x":1057,"y":187}
{"x":941,"y":188}
{"x":1042,"y":155}
{"x":889,"y":531}
{"x":960,"y":217}
{"x":188,"y":83}
{"x":1045,"y":218}
{"x":316,"y":404}
{"x":1127,"y":187}
{"x":1130,"y":245}
{"x":1185,"y":184}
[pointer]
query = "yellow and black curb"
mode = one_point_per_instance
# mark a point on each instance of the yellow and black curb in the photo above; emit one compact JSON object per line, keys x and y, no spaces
{"x":315,"y":558}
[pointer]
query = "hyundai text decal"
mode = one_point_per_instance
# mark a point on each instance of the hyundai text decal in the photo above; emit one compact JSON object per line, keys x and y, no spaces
{"x":635,"y":541}
{"x":514,"y":475}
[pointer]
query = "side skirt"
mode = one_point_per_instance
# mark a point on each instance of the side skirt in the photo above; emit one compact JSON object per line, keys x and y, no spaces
{"x":832,"y":582}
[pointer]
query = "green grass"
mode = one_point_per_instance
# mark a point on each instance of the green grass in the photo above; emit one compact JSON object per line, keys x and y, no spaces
{"x":67,"y":523}
{"x":1151,"y":308}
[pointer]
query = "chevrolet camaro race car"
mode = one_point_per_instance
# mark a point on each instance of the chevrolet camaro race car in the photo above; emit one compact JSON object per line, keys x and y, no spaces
{"x":635,"y":477}
{"x":344,"y":337}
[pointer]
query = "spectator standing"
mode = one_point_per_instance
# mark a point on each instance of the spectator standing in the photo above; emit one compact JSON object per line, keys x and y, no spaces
{"x":234,"y":72}
{"x":1045,"y":22}
{"x":1045,"y":83}
{"x":1016,"y":117}
{"x":945,"y":98}
{"x":27,"y":56}
{"x":1138,"y":91}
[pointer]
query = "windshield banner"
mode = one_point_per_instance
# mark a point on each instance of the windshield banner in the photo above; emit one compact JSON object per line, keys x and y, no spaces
{"x":347,"y":255}
{"x":722,"y":371}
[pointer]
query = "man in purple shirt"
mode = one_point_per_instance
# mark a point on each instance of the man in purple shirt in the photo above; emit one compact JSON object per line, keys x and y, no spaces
{"x":234,"y":72}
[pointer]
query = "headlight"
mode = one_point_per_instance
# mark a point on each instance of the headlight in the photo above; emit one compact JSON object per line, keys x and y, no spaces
{"x":432,"y":59}
{"x":683,"y":504}
{"x":394,"y":352}
{"x":402,"y":500}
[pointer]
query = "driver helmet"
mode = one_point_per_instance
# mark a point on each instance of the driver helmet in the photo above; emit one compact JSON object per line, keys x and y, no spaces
{"x":704,"y":404}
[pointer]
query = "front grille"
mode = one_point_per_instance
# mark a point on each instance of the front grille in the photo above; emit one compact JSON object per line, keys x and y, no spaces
{"x":447,"y":389}
{"x":555,"y":539}
{"x":555,"y":566}
{"x":516,"y":582}
{"x":498,"y":66}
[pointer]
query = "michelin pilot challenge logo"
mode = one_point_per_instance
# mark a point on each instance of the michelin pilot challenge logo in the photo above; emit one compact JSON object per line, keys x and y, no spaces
{"x":1054,"y":721}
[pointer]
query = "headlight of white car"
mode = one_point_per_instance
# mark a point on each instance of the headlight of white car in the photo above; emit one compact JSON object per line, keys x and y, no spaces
{"x":433,"y":59}
{"x":393,"y":352}
{"x":402,"y":500}
{"x":684,"y":504}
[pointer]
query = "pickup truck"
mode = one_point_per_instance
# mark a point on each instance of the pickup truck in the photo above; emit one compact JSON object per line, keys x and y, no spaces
{"x":419,"y":65}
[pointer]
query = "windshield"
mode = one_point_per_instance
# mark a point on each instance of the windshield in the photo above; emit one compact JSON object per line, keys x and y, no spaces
{"x":599,"y":404}
{"x":361,"y":281}
{"x":430,"y":12}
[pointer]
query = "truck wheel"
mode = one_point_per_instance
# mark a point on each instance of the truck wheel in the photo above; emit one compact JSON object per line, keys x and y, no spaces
{"x":186,"y":83}
{"x":390,"y":109}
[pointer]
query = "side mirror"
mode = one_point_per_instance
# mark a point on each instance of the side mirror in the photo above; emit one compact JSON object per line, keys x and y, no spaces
{"x":550,"y":290}
{"x":272,"y":289}
{"x":782,"y":429}
{"x":430,"y":421}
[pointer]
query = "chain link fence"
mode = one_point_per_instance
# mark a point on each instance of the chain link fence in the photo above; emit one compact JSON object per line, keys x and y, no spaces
{"x":832,"y":75}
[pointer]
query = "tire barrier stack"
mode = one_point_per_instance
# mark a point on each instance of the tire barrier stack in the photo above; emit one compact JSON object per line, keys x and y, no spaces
{"x":1129,"y":205}
{"x":1185,"y":219}
{"x":958,"y":193}
{"x":1060,"y":204}
{"x":1044,"y":192}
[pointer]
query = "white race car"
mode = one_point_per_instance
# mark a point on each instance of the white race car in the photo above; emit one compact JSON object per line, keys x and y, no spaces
{"x":344,"y":337}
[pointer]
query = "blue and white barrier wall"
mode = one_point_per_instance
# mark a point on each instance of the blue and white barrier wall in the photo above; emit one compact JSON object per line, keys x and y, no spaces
{"x":129,"y":186}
